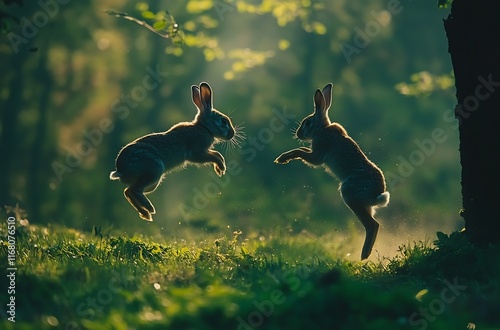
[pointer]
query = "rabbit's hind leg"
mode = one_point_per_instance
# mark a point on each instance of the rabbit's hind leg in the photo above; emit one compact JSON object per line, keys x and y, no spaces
{"x":360,"y":201}
{"x":364,"y":214}
{"x":152,"y":187}
{"x":140,"y":202}
{"x":135,"y":195}
{"x":357,"y":203}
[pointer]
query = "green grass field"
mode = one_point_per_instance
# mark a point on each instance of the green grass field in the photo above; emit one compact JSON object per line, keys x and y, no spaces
{"x":67,"y":279}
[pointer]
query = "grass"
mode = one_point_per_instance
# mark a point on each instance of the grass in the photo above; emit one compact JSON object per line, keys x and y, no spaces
{"x":68,"y":279}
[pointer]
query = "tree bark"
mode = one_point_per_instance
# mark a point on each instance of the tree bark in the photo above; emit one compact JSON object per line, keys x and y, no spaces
{"x":473,"y":31}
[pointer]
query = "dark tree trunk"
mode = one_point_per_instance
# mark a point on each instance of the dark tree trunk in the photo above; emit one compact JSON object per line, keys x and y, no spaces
{"x":473,"y":31}
{"x":38,"y":169}
{"x":9,"y":144}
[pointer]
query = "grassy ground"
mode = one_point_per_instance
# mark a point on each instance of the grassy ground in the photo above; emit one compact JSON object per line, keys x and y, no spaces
{"x":67,"y":279}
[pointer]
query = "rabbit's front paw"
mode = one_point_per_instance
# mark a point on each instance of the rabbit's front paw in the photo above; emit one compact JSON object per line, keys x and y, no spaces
{"x":282,"y":159}
{"x":220,"y":171}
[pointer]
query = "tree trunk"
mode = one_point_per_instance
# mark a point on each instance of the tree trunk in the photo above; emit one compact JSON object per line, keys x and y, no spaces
{"x":9,"y":144}
{"x":38,"y":169}
{"x":473,"y":31}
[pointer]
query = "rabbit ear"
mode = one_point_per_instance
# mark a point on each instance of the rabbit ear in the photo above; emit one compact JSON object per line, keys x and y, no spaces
{"x":196,"y":97}
{"x":327,"y":94}
{"x":319,"y":104}
{"x":206,"y":96}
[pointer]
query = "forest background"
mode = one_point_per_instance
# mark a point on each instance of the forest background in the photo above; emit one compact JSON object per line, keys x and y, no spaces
{"x":78,"y":83}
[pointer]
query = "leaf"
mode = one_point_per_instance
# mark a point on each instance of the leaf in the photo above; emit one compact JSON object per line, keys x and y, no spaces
{"x":283,"y":44}
{"x":421,"y":294}
{"x":198,"y":6}
{"x":148,"y":14}
{"x":142,"y":6}
{"x":160,"y":25}
{"x":318,"y":28}
{"x":189,"y":26}
{"x":444,"y":3}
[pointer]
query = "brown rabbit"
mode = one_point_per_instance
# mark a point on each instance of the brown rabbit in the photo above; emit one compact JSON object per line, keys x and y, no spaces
{"x":362,"y":183}
{"x":143,"y":163}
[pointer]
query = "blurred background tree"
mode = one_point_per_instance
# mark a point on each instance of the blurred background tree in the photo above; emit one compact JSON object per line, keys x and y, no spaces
{"x":81,"y":83}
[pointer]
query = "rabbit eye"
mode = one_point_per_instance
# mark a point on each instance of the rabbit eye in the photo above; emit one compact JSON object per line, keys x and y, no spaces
{"x":224,"y":121}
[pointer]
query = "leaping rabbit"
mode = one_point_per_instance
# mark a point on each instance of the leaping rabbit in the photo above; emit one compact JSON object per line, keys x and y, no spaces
{"x":362,"y":183}
{"x":143,"y":163}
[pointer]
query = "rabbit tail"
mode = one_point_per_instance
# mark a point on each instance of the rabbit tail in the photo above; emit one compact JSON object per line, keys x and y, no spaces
{"x":115,"y":175}
{"x":383,"y":199}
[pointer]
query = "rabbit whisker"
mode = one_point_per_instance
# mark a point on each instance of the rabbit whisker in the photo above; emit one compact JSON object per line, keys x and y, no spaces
{"x":236,"y":140}
{"x":294,"y":131}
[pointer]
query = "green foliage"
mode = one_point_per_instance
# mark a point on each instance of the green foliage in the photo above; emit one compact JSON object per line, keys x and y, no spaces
{"x":424,"y":84}
{"x":163,"y":24}
{"x":209,"y":14}
{"x":444,"y":3}
{"x":74,"y":279}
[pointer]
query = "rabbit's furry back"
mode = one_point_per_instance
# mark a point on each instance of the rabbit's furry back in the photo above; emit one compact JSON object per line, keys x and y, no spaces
{"x":186,"y":137}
